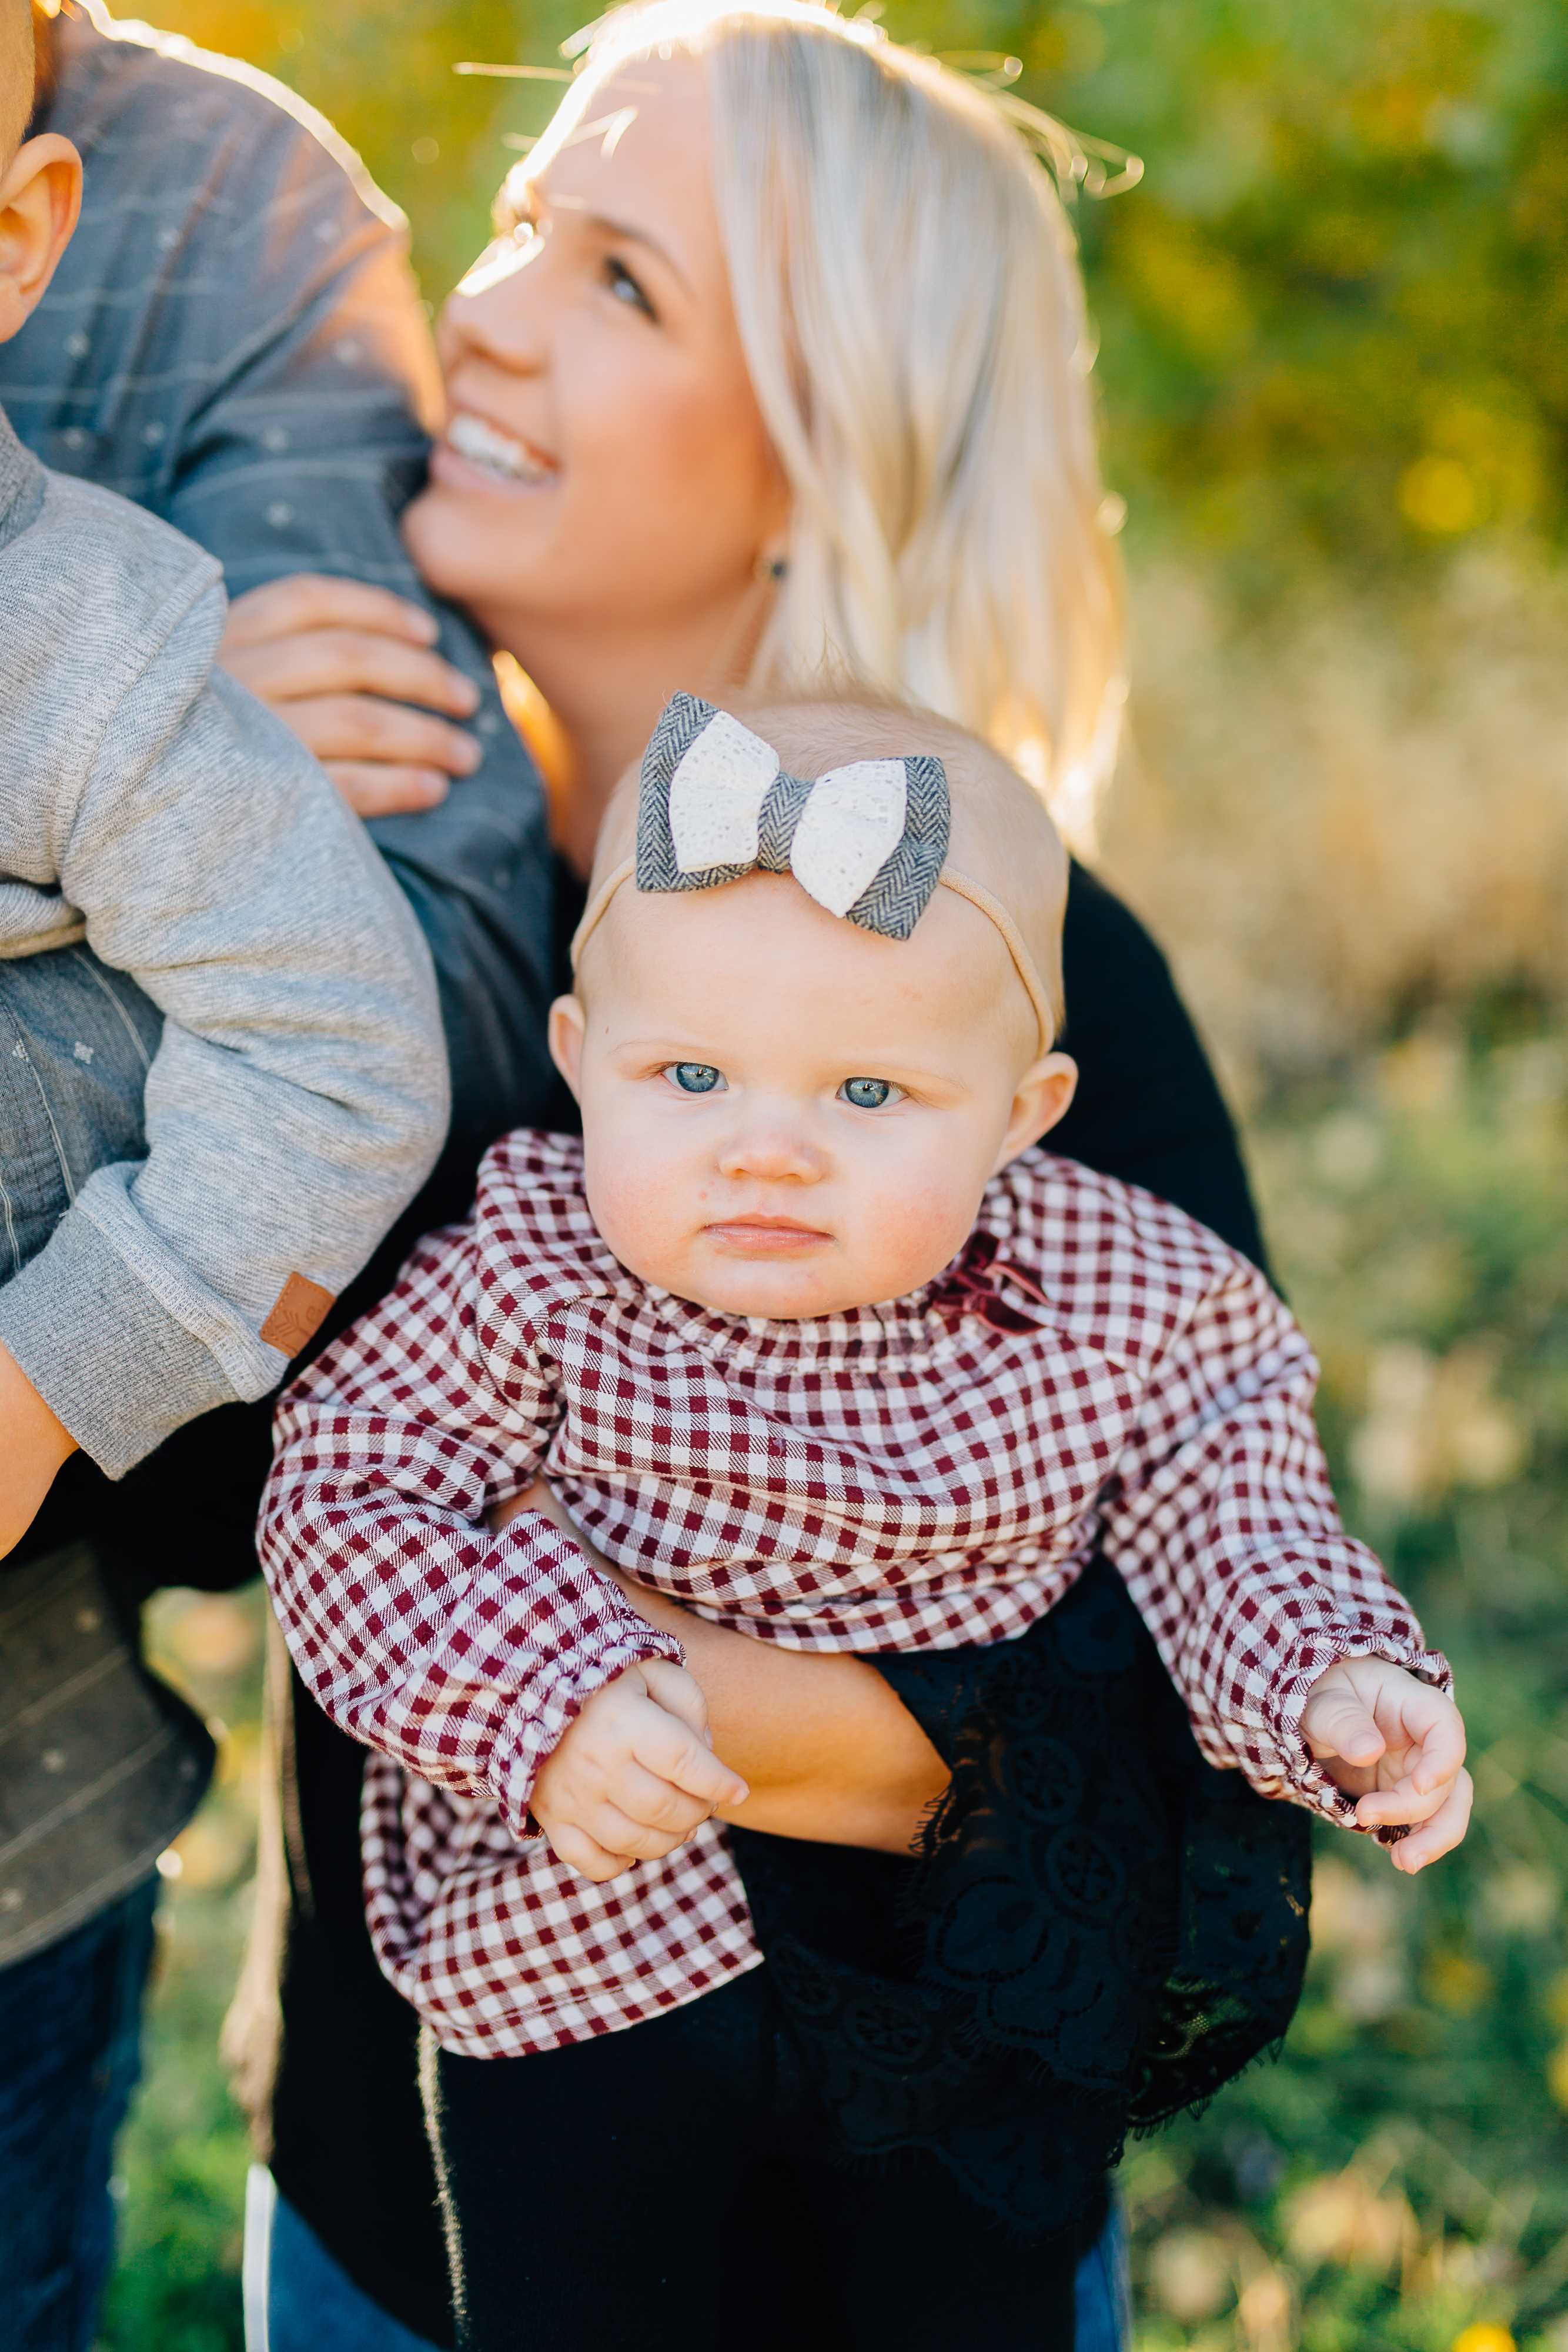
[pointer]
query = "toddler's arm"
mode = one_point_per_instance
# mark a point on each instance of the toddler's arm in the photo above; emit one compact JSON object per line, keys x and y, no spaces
{"x":298,"y":1096}
{"x":471,"y":1658}
{"x":1298,"y":1660}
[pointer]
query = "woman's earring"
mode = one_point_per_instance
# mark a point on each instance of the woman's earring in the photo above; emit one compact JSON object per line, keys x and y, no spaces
{"x":769,"y":570}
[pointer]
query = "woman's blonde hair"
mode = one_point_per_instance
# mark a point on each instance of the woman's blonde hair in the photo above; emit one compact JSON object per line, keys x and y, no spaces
{"x":909,"y":303}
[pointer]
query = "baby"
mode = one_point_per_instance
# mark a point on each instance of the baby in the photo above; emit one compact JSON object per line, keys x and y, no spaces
{"x":809,"y":1335}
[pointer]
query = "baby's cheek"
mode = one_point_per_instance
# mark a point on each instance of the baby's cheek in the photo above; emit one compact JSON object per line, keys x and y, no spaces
{"x":634,"y":1201}
{"x":909,"y":1231}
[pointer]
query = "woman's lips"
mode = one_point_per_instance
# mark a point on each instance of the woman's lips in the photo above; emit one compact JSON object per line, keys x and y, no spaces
{"x":477,"y":453}
{"x":765,"y":1236}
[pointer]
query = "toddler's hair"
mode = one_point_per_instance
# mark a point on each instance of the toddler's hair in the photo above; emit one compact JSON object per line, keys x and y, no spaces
{"x":1002,"y":835}
{"x":18,"y":73}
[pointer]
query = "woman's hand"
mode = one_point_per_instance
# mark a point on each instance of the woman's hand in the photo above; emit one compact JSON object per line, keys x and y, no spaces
{"x":341,"y":664}
{"x":33,"y":1445}
{"x":826,"y":1749}
{"x":1398,"y":1747}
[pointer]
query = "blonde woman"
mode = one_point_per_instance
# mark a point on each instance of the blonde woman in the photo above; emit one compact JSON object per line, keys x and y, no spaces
{"x":774,"y":374}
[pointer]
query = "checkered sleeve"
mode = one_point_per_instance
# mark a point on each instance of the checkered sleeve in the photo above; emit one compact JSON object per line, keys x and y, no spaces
{"x":1222,"y":1521}
{"x":461,"y":1655}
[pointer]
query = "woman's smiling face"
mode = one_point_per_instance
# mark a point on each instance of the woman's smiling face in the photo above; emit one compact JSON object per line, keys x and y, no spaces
{"x":604,"y":461}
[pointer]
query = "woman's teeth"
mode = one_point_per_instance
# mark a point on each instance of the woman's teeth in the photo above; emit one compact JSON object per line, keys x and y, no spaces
{"x":497,"y":452}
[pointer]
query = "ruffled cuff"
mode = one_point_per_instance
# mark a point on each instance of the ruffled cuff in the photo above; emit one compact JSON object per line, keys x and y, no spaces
{"x":608,"y":1639}
{"x":1303,"y":1665}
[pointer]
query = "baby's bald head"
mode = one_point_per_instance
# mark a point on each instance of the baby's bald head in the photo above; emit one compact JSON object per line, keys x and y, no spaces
{"x":1001,"y":838}
{"x":18,"y":69}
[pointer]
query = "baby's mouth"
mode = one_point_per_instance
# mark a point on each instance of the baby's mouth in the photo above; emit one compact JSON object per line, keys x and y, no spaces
{"x":765,"y":1236}
{"x":494,"y":452}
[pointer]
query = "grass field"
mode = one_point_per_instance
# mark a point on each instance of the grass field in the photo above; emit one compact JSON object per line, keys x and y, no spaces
{"x":1400,"y":2181}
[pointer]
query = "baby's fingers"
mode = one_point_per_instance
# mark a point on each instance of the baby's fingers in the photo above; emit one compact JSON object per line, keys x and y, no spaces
{"x":1335,"y":1722}
{"x":678,"y":1692}
{"x":584,"y":1854}
{"x":691,"y":1765}
{"x":1437,"y":1723}
{"x":1441,"y":1834}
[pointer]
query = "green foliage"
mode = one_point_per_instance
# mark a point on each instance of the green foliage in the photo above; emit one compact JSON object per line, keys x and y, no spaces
{"x":1403,"y":2172}
{"x":1333,"y":316}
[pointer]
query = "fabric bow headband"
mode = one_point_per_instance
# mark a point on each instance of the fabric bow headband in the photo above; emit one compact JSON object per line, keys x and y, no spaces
{"x":868,"y":842}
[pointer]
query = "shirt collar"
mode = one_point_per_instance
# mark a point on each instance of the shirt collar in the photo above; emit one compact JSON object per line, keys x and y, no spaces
{"x":21,"y":485}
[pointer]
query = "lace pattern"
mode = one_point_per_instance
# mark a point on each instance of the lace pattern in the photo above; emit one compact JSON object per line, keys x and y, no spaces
{"x":1097,"y":1929}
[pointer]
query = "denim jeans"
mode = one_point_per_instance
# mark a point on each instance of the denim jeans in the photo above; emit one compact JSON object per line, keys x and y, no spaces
{"x":99,"y":1770}
{"x":298,"y":2298}
{"x":70,"y":2040}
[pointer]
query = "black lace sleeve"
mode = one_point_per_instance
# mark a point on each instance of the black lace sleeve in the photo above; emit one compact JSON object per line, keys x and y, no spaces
{"x":1097,"y":1929}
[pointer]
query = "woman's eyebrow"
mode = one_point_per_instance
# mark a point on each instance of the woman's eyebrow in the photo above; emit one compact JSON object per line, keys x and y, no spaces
{"x":623,"y":232}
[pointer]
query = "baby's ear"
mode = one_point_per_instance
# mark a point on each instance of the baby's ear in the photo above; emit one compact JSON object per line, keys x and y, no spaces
{"x":566,"y":1035}
{"x":1044,"y":1092}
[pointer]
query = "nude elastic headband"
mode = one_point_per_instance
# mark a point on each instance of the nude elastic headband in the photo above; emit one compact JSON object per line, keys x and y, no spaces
{"x":868,"y":842}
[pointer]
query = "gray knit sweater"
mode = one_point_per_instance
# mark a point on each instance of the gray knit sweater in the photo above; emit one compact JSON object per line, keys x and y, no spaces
{"x":299,"y":1096}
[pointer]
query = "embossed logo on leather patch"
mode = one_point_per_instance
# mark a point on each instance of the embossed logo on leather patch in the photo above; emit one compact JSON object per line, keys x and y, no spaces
{"x":296,"y":1314}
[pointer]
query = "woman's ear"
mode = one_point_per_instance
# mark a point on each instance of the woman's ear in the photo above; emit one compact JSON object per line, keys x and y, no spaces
{"x":40,"y":197}
{"x":1043,"y":1094}
{"x":567,"y":1030}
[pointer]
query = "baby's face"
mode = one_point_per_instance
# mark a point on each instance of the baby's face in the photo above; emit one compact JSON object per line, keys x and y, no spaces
{"x":785,"y":1116}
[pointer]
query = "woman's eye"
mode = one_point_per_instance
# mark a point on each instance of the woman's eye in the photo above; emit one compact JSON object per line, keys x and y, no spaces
{"x":870,"y":1094}
{"x":625,"y":289}
{"x":694,"y":1078}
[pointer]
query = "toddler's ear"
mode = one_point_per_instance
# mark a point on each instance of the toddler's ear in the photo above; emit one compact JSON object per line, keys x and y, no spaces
{"x":1044,"y":1092}
{"x":40,"y":197}
{"x":566,"y":1035}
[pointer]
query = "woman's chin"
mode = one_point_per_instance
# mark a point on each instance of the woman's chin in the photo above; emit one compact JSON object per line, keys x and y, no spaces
{"x":469,"y":544}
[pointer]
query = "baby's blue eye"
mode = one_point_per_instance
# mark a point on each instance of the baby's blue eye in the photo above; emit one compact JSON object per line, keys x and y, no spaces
{"x":868,"y":1094}
{"x":694,"y":1078}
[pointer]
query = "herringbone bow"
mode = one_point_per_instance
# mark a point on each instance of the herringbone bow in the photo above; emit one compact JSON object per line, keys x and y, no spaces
{"x":866,"y":841}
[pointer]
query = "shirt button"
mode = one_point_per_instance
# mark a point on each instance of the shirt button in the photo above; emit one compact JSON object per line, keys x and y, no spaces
{"x":77,"y":344}
{"x":279,"y":514}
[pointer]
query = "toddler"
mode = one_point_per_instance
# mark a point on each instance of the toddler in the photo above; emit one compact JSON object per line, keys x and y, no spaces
{"x":809,"y":1335}
{"x":221,"y":1067}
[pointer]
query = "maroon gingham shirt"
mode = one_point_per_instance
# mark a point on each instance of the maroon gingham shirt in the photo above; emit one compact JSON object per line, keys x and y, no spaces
{"x":931,"y":1472}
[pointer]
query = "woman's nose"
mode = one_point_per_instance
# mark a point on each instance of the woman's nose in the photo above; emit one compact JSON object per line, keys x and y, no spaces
{"x":496,"y":312}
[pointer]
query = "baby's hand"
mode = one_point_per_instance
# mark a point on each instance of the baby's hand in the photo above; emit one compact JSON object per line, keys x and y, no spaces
{"x":634,"y":1774}
{"x":1398,"y":1746}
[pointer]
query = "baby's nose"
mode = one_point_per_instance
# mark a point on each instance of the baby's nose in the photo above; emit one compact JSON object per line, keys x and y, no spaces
{"x":775,"y":1149}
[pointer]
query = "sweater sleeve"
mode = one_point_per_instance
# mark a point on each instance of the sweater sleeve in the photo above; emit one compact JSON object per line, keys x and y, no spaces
{"x":1221,"y":1520}
{"x":298,"y":1096}
{"x":461,"y":1655}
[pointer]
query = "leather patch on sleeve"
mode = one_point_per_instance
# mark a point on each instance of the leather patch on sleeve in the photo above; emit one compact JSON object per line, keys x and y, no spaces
{"x":297,"y":1314}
